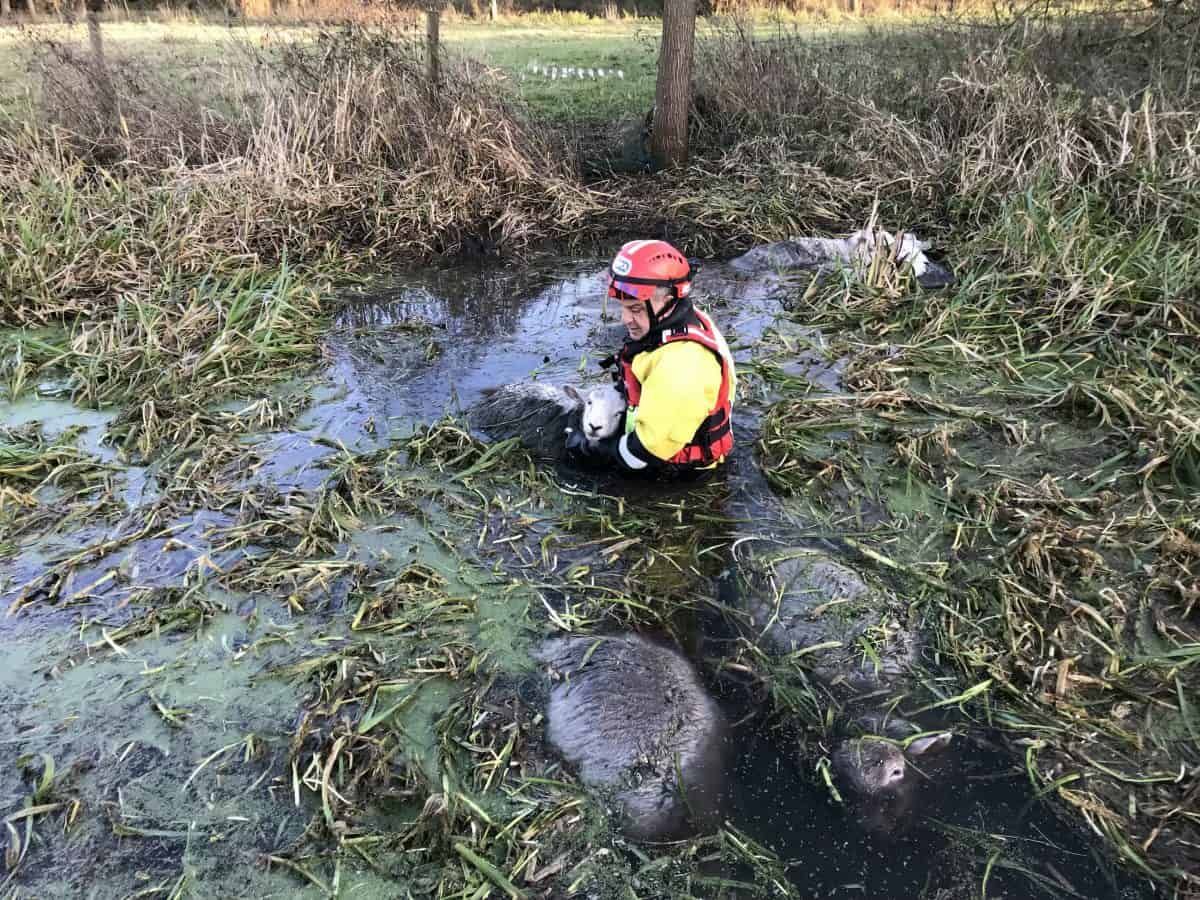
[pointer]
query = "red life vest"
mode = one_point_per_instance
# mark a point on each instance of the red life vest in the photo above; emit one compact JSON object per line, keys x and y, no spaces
{"x":714,"y":438}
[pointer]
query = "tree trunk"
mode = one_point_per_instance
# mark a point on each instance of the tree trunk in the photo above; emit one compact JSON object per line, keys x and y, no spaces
{"x":673,"y":94}
{"x":494,"y":12}
{"x":105,"y":96}
{"x":32,"y":8}
{"x":433,"y":15}
{"x":5,"y":8}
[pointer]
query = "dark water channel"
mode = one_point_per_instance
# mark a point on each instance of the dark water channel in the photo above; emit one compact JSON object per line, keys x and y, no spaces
{"x":974,"y":829}
{"x":941,"y":848}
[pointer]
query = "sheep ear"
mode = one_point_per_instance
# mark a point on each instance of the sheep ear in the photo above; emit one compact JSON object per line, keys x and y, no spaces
{"x":572,"y":393}
{"x":933,"y":742}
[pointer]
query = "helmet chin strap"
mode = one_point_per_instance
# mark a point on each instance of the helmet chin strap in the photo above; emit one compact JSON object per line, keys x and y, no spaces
{"x":655,"y":321}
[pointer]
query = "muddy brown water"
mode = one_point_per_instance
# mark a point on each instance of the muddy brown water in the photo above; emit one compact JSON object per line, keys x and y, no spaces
{"x":402,"y":354}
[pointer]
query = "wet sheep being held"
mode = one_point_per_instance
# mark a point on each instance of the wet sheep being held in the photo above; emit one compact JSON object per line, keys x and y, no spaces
{"x":538,"y":414}
{"x":603,"y":408}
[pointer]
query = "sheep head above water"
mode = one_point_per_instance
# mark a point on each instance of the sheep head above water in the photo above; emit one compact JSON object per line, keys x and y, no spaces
{"x":870,"y":765}
{"x":603,"y":408}
{"x":883,"y":767}
{"x":878,"y":760}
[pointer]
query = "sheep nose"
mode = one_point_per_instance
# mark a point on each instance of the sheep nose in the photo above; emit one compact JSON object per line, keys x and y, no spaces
{"x":593,"y":428}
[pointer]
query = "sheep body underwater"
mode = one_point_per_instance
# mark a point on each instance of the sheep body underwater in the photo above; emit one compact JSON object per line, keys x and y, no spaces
{"x":801,"y":599}
{"x":539,"y":414}
{"x":632,"y":718}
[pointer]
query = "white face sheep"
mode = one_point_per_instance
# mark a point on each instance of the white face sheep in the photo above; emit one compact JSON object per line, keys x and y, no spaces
{"x":602,"y":411}
{"x":537,"y":413}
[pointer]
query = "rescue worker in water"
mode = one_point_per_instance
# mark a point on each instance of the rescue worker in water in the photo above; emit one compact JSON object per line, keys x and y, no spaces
{"x":674,"y":369}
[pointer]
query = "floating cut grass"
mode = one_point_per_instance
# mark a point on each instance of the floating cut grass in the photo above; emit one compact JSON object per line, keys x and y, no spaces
{"x":1066,"y":578}
{"x":28,"y":460}
{"x":157,"y":252}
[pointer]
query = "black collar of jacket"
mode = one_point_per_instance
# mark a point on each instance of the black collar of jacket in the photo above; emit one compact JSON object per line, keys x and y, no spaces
{"x":682,"y":314}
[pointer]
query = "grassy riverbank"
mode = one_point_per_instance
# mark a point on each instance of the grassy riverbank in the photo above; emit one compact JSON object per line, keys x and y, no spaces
{"x":1021,"y":451}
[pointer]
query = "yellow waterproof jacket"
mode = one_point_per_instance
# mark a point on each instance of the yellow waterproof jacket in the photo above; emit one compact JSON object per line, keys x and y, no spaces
{"x":680,"y":382}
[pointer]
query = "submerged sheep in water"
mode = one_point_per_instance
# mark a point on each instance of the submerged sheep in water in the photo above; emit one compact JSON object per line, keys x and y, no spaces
{"x":873,"y":759}
{"x":854,"y":253}
{"x":881,"y":763}
{"x":802,"y":600}
{"x":632,"y":718}
{"x":539,"y":414}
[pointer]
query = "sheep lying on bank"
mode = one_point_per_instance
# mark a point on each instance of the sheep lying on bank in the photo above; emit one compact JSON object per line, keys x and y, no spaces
{"x":631,"y":717}
{"x":854,"y":253}
{"x":540,"y":415}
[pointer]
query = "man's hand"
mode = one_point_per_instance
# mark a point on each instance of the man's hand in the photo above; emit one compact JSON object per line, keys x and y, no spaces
{"x":606,"y":454}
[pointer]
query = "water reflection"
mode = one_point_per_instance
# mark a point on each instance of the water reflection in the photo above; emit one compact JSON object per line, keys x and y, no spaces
{"x":434,"y":342}
{"x":419,"y":350}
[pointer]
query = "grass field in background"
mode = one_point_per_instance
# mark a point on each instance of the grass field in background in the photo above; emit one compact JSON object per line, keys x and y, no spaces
{"x":204,"y":55}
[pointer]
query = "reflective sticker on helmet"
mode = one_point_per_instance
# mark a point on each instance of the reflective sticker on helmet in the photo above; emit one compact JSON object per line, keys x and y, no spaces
{"x":622,"y":265}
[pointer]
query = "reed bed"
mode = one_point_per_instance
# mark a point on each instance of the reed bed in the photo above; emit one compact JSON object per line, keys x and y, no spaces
{"x":1020,"y":450}
{"x":181,"y":252}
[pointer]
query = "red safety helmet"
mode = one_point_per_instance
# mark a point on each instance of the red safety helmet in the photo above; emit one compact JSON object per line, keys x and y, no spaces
{"x":642,"y":266}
